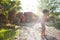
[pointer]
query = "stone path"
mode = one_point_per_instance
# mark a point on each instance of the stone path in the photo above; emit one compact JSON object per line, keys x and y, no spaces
{"x":34,"y":33}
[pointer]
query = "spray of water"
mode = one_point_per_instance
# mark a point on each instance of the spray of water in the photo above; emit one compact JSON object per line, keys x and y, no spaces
{"x":31,"y":33}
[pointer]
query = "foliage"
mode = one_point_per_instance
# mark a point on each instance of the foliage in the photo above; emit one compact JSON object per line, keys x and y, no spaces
{"x":52,"y":5}
{"x":10,"y":8}
{"x":9,"y":5}
{"x":7,"y":34}
{"x":57,"y":25}
{"x":54,"y":10}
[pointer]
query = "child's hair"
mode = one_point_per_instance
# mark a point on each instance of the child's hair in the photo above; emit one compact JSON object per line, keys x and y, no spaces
{"x":44,"y":11}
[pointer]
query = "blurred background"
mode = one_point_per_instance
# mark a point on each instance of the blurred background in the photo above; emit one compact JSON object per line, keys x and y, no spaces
{"x":17,"y":13}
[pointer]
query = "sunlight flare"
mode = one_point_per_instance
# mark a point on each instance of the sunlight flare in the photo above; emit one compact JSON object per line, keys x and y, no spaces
{"x":29,"y":5}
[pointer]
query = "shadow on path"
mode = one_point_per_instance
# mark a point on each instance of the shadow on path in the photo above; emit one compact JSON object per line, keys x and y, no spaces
{"x":50,"y":37}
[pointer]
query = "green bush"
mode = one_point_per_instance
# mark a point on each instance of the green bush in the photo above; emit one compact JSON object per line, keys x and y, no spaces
{"x":57,"y":25}
{"x":7,"y":34}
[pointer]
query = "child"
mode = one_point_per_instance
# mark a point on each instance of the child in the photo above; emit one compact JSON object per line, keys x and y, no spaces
{"x":43,"y":20}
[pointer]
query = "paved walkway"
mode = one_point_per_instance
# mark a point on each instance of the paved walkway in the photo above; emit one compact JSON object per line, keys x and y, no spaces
{"x":33,"y":32}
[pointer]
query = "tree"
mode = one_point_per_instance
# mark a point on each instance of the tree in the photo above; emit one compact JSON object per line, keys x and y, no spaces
{"x":52,"y":5}
{"x":8,"y":5}
{"x":54,"y":9}
{"x":10,"y":8}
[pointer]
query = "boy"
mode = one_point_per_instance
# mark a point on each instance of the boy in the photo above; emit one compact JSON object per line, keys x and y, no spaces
{"x":43,"y":20}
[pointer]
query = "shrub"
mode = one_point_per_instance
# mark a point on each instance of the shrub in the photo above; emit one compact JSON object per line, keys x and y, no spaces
{"x":7,"y":34}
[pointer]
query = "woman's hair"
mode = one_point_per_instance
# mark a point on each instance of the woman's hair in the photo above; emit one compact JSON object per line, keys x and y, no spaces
{"x":45,"y":11}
